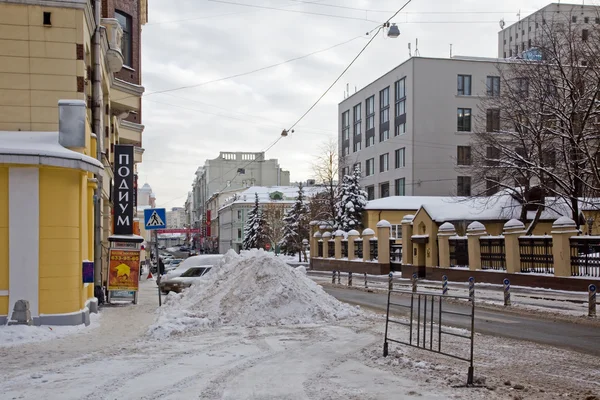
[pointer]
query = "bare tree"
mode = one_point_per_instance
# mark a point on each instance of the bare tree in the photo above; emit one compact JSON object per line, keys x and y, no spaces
{"x":326,"y":172}
{"x":538,"y":134}
{"x":273,"y":215}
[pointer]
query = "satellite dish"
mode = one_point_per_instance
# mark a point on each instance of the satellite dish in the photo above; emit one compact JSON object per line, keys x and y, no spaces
{"x":502,"y":23}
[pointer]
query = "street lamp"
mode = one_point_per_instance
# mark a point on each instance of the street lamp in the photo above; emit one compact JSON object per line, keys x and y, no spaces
{"x":393,"y":31}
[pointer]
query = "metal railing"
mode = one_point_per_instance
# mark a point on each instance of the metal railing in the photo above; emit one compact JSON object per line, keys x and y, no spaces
{"x":320,"y":249}
{"x":585,"y":256}
{"x":536,"y":254}
{"x":344,"y":248}
{"x":459,"y":252}
{"x":358,"y":248}
{"x":493,"y":253}
{"x":373,"y":250}
{"x":331,"y":248}
{"x":395,"y":252}
{"x":422,"y":306}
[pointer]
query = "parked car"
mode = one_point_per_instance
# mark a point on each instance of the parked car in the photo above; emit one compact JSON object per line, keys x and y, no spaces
{"x":189,"y":277}
{"x":172,"y":264}
{"x":184,"y":248}
{"x":194,"y":261}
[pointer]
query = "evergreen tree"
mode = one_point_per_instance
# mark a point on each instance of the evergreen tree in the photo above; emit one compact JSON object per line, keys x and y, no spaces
{"x":296,"y":226}
{"x":255,"y":229}
{"x":351,"y":202}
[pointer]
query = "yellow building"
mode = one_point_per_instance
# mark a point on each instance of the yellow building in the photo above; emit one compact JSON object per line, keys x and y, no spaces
{"x":47,"y":179}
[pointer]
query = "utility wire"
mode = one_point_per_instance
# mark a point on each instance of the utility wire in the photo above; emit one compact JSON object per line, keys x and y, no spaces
{"x":349,"y":65}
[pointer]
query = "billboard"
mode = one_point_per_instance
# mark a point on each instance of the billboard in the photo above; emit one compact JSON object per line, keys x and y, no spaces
{"x":123,"y":190}
{"x":123,"y":269}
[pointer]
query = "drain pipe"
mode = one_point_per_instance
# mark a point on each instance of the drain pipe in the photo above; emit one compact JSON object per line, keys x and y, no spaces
{"x":98,"y":119}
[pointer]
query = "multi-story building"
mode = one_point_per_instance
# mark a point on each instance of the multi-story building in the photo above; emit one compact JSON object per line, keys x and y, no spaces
{"x":522,"y":36}
{"x":176,"y":218}
{"x":274,"y":201}
{"x":230,"y":171}
{"x":74,"y":51}
{"x":409,"y":131}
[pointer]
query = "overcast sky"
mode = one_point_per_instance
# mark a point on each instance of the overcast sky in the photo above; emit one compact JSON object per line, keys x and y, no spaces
{"x":188,"y":42}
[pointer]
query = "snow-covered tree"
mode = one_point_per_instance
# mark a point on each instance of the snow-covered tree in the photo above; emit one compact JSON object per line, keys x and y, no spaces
{"x":351,"y":202}
{"x":295,"y":226}
{"x":255,"y":229}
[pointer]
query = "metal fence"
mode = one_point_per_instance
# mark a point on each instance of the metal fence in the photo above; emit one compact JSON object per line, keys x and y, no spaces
{"x":536,"y":254}
{"x":493,"y":253}
{"x":459,"y":252}
{"x":585,"y":256}
{"x":395,"y":252}
{"x":320,"y":249}
{"x":427,"y":332}
{"x":344,"y":248}
{"x":358,"y":248}
{"x":373,"y":249}
{"x":331,"y":248}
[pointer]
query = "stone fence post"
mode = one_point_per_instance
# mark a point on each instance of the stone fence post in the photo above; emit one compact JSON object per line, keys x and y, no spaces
{"x":314,"y":245}
{"x":352,"y":235}
{"x":407,"y":247}
{"x":562,"y":230}
{"x":326,"y":237}
{"x":383,"y":241}
{"x":445,"y":231}
{"x":338,"y":236}
{"x":512,"y":230}
{"x":366,"y":237}
{"x":474,"y":231}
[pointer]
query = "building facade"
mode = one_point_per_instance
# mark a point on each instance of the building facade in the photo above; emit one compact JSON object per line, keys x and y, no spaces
{"x":409,"y":131}
{"x":231,"y":171}
{"x":176,"y":218}
{"x":522,"y":36}
{"x":69,"y":51}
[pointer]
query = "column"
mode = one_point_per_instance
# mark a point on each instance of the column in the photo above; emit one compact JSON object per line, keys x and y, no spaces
{"x":352,"y":236}
{"x":446,"y":230}
{"x":326,"y":237}
{"x":338,"y":236}
{"x":383,"y":241}
{"x":512,"y":230}
{"x":474,"y":231}
{"x":562,"y":230}
{"x":366,"y":237}
{"x":407,"y":247}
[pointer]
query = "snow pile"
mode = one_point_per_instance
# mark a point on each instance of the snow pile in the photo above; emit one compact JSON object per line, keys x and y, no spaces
{"x":252,"y":289}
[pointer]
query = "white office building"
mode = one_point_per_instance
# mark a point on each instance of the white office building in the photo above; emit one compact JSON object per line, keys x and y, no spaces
{"x":409,"y":131}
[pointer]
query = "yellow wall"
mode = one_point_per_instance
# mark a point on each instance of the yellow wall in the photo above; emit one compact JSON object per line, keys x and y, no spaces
{"x":38,"y":65}
{"x":60,"y":237}
{"x":394,"y":217}
{"x":3,"y":238}
{"x":423,"y":225}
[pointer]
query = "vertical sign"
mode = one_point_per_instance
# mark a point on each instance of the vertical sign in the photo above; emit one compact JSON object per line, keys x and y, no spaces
{"x":135,"y":189}
{"x":207,"y":223}
{"x":123,"y":190}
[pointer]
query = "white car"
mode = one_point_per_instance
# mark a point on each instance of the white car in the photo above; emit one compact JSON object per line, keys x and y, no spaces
{"x":189,"y":277}
{"x":194,"y":261}
{"x":172,"y":263}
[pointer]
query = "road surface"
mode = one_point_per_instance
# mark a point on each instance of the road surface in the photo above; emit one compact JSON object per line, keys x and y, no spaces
{"x":578,"y":337}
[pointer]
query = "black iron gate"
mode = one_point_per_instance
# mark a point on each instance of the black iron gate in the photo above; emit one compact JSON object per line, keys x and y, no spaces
{"x":459,"y":252}
{"x":428,"y":334}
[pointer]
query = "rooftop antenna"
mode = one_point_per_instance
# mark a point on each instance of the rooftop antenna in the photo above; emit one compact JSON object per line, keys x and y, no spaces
{"x":450,"y":50}
{"x":502,"y":23}
{"x":409,"y":52}
{"x":417,"y":54}
{"x":519,"y":15}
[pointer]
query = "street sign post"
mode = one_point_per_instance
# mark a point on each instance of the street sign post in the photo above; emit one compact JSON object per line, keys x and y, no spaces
{"x":154,"y":219}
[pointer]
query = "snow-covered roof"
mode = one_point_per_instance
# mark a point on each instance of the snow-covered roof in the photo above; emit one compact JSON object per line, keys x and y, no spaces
{"x":408,"y":202}
{"x":42,"y":148}
{"x":501,"y":206}
{"x":270,"y":194}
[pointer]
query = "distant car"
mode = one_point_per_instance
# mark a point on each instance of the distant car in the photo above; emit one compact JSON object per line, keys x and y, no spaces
{"x":194,"y":261}
{"x":184,"y":248}
{"x":172,"y":264}
{"x":184,"y":281}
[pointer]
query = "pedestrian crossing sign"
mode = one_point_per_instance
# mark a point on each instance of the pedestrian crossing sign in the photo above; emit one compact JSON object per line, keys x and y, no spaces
{"x":155,"y":218}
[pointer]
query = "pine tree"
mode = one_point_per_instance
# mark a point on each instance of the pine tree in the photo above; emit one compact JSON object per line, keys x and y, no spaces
{"x":296,"y":225}
{"x":255,"y":229}
{"x":351,"y":202}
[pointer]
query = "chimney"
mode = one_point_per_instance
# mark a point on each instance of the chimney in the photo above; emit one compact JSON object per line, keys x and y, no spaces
{"x":71,"y":123}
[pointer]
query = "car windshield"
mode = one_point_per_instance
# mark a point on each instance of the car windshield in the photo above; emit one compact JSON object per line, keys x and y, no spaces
{"x":195,"y":272}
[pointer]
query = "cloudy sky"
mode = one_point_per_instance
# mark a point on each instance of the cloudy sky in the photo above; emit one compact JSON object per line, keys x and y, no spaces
{"x":189,"y":43}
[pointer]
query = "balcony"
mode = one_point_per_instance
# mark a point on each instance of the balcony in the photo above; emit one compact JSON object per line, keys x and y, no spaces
{"x":130,"y":133}
{"x":114,"y":33}
{"x":137,"y":154}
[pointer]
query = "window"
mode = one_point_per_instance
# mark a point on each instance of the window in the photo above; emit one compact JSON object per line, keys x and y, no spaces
{"x":549,"y":158}
{"x":521,"y":153}
{"x":493,"y":86}
{"x":400,"y":129}
{"x":47,"y":18}
{"x":370,"y":140}
{"x":384,"y":135}
{"x":384,"y":190}
{"x":463,"y":186}
{"x":491,"y":186}
{"x":345,"y":171}
{"x":371,"y":112}
{"x":126,"y":48}
{"x":357,"y":145}
{"x":357,"y":127}
{"x":239,"y":233}
{"x":370,"y":192}
{"x":492,"y":121}
{"x":597,"y":20}
{"x":464,"y":120}
{"x":586,"y":20}
{"x":492,"y":155}
{"x":384,"y":162}
{"x":356,"y":167}
{"x":346,"y":150}
{"x":528,"y":29}
{"x":396,"y":231}
{"x":399,"y":187}
{"x":528,"y":43}
{"x":523,"y":86}
{"x":463,"y":155}
{"x":584,"y":35}
{"x":400,"y":89}
{"x":400,"y":160}
{"x":464,"y":85}
{"x":574,"y":18}
{"x":346,"y":125}
{"x":384,"y":106}
{"x":370,"y":167}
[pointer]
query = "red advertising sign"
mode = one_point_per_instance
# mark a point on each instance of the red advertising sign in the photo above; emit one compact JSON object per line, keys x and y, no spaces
{"x":178,"y":230}
{"x":208,"y":223}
